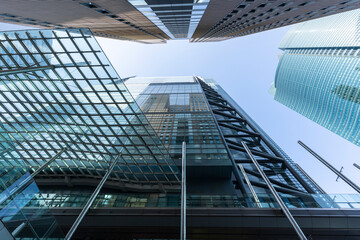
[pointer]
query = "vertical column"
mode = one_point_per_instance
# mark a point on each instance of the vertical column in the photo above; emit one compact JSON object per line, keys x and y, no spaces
{"x":342,"y":176}
{"x":276,"y":195}
{"x":91,"y":200}
{"x":183,"y":193}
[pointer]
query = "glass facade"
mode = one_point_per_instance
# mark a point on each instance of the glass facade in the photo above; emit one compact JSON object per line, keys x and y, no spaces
{"x":63,"y":104}
{"x":177,"y":110}
{"x":192,"y":109}
{"x":23,"y":211}
{"x":318,"y":74}
{"x":59,"y":91}
{"x":177,"y":20}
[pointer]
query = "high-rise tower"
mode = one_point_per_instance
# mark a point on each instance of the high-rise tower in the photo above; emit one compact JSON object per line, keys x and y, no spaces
{"x":318,"y":74}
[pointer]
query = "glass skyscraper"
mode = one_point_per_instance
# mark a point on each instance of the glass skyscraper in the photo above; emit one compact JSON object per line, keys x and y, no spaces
{"x":86,"y":154}
{"x":318,"y":74}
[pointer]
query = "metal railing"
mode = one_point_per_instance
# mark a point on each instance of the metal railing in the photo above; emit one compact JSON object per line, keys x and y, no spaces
{"x":173,"y":200}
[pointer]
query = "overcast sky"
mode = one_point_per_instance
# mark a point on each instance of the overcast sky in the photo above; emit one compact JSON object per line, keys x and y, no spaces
{"x":245,"y":67}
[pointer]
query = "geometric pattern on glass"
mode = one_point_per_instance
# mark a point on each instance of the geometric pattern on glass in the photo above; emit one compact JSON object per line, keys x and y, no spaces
{"x":59,"y":91}
{"x":177,"y":110}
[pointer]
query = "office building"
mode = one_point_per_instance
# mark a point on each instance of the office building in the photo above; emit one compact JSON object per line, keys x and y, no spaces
{"x":318,"y":73}
{"x":86,"y":154}
{"x":155,"y":21}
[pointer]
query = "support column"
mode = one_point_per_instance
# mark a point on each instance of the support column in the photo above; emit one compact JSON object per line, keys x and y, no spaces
{"x":42,"y":167}
{"x":183,"y":193}
{"x":91,"y":200}
{"x":334,"y":170}
{"x":276,"y":195}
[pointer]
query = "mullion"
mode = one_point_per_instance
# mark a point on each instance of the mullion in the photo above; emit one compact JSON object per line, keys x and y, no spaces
{"x":70,"y":117}
{"x":96,"y":92}
{"x":113,"y":140}
{"x":59,"y":115}
{"x":16,"y":120}
{"x":104,"y":104}
{"x":160,"y":166}
{"x":70,"y":92}
{"x":75,"y":82}
{"x":17,"y":52}
{"x":37,"y":38}
{"x":96,"y":95}
{"x":37,"y":110}
{"x":10,"y":56}
{"x":20,"y":92}
{"x":129,"y":105}
{"x":39,"y":92}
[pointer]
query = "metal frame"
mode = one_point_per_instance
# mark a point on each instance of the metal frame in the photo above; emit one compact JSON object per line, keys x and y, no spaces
{"x":229,"y":119}
{"x":328,"y":165}
{"x":32,"y":175}
{"x":357,"y":166}
{"x":312,"y":180}
{"x":60,"y":91}
{"x":183,"y":193}
{"x":276,"y":195}
{"x":91,"y":200}
{"x":248,"y":182}
{"x":236,"y":172}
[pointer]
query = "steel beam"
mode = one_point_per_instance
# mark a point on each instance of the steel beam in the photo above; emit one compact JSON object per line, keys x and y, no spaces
{"x":183,"y":193}
{"x":239,"y":129}
{"x":257,"y":153}
{"x":273,"y":181}
{"x":250,"y":186}
{"x":276,"y":195}
{"x":357,"y":166}
{"x":311,"y":180}
{"x":90,"y":201}
{"x":235,"y":168}
{"x":25,"y":70}
{"x":328,"y":165}
{"x":253,"y":130}
{"x":31,"y":176}
{"x":5,"y":151}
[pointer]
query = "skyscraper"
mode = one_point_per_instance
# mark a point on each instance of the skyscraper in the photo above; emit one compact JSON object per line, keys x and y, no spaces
{"x":105,"y":154}
{"x":155,"y":21}
{"x":318,"y":73}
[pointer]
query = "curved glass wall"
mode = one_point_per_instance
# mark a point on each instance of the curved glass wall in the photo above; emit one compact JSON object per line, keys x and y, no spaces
{"x":318,"y":74}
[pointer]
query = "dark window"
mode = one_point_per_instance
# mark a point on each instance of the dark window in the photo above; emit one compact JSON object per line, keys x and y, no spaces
{"x":89,"y":5}
{"x":302,"y":4}
{"x":103,"y":11}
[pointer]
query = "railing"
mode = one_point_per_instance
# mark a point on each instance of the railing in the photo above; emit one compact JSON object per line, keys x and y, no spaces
{"x":172,"y":200}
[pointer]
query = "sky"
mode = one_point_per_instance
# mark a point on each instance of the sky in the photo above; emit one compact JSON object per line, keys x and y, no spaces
{"x":245,"y":67}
